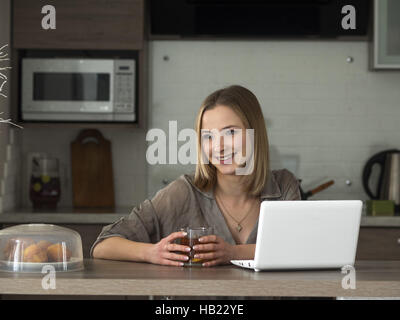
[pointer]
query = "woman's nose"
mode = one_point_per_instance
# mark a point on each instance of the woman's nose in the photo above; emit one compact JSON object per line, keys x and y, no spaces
{"x":218,"y":144}
{"x":222,"y":144}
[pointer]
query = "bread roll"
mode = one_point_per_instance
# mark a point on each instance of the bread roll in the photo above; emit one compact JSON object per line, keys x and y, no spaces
{"x":34,"y":253}
{"x":44,"y":244}
{"x":14,"y":246}
{"x":55,"y":253}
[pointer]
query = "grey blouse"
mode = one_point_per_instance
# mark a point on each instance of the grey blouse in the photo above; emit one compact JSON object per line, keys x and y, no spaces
{"x":181,"y":204}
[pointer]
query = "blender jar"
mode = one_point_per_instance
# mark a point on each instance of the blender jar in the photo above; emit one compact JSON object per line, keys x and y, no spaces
{"x":45,"y":190}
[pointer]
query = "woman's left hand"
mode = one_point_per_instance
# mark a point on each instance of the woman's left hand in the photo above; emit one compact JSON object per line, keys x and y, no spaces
{"x":214,"y":250}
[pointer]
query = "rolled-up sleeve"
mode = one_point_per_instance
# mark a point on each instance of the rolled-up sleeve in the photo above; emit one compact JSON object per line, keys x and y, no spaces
{"x":141,"y":225}
{"x":149,"y":221}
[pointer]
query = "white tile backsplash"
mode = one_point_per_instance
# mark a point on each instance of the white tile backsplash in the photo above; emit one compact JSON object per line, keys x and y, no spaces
{"x":10,"y":171}
{"x":325,"y":117}
{"x":330,"y":113}
{"x":9,"y":143}
{"x":128,"y":161}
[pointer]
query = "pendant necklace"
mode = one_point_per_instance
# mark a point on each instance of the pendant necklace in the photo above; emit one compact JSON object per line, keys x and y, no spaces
{"x":239,"y":226}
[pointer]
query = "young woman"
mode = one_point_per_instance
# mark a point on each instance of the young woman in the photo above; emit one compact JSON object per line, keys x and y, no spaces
{"x":215,"y":195}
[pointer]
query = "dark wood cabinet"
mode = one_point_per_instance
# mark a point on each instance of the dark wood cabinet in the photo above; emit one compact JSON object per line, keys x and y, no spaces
{"x":80,"y":24}
{"x":378,"y":244}
{"x":108,"y":29}
{"x":88,"y":233}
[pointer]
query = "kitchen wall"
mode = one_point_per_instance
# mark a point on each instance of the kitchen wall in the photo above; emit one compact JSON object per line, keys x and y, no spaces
{"x":4,"y":103}
{"x":9,"y":143}
{"x":325,"y":117}
{"x":128,"y":156}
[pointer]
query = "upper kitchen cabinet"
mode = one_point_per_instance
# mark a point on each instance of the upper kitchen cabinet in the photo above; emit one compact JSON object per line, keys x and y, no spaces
{"x":386,"y":45}
{"x":80,"y":24}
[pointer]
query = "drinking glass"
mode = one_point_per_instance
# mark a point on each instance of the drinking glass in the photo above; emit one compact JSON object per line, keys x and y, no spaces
{"x":191,"y":239}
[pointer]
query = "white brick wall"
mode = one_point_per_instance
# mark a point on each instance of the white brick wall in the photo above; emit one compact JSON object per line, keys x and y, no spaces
{"x":9,"y":146}
{"x":9,"y":175}
{"x":331,"y":114}
{"x":4,"y":103}
{"x":128,"y":156}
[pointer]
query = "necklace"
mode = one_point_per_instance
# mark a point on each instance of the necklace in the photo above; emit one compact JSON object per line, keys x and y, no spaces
{"x":239,"y":226}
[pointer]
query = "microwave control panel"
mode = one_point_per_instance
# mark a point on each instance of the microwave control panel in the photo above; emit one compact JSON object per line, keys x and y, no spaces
{"x":124,"y":86}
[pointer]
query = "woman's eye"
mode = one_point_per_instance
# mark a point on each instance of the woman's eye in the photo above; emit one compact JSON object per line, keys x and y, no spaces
{"x":231,"y":132}
{"x":206,"y":136}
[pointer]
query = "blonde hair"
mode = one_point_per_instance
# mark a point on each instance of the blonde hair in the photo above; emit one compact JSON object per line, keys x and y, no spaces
{"x":245,"y":104}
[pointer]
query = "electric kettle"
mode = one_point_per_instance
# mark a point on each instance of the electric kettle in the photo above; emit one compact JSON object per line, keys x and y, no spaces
{"x":388,"y":186}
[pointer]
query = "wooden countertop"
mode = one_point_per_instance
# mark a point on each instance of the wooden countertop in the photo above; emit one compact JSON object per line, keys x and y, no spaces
{"x":102,"y":277}
{"x":70,"y":215}
{"x":67,"y":215}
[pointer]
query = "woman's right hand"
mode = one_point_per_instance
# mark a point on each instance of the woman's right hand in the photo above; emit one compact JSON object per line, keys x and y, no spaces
{"x":164,"y":251}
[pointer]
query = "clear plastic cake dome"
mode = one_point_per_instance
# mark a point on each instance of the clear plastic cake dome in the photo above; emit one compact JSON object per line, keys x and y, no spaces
{"x":30,"y":247}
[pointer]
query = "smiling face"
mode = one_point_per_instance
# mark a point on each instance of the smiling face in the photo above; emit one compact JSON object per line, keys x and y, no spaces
{"x":239,"y":129}
{"x":223,"y":139}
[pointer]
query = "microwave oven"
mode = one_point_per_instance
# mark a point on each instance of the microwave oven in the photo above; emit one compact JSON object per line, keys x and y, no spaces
{"x":74,"y":89}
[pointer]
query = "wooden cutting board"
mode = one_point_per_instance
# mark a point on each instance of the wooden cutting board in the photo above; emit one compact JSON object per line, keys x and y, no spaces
{"x":92,"y":177}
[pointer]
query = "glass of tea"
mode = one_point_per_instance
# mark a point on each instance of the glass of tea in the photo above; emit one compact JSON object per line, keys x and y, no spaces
{"x":191,"y":239}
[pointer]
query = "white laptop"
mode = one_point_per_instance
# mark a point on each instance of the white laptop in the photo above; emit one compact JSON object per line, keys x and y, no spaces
{"x":316,"y":234}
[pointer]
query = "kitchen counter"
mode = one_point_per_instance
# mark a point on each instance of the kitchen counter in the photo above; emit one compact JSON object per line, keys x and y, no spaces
{"x":109,"y":278}
{"x":380,"y":221}
{"x":94,"y":216}
{"x":67,"y":215}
